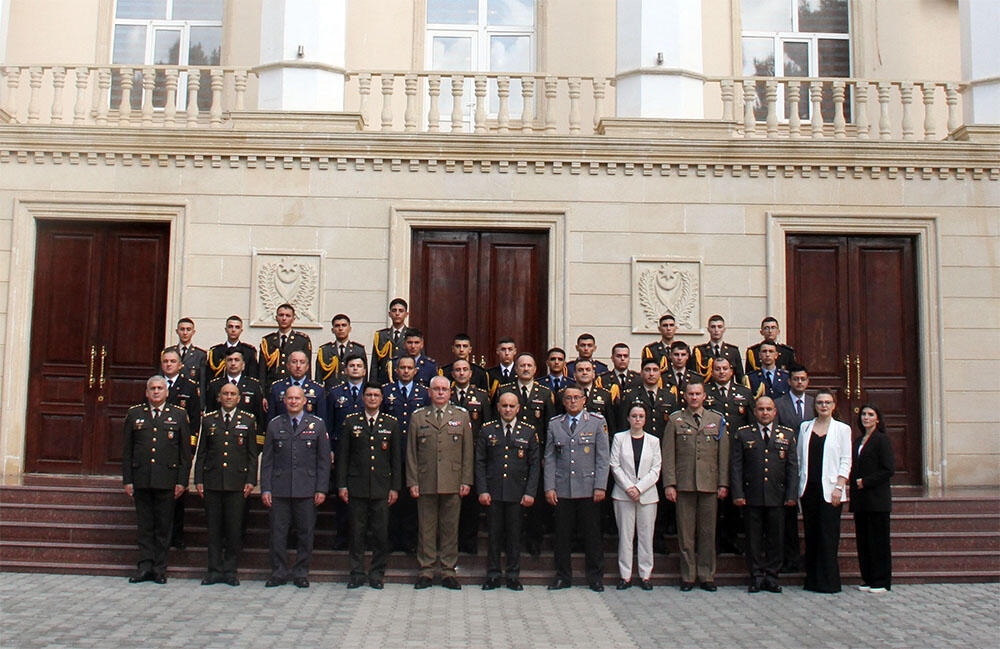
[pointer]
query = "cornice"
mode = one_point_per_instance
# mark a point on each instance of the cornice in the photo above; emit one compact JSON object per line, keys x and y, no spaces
{"x":466,"y":153}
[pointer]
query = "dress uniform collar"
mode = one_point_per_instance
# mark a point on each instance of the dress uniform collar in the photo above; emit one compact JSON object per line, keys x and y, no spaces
{"x":234,"y":379}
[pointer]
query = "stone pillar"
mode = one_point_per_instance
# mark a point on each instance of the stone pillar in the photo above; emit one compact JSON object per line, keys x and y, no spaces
{"x":658,"y":67}
{"x":303,"y":45}
{"x":980,"y":25}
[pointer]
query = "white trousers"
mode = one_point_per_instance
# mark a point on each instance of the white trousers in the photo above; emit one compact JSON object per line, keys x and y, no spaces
{"x":635,"y":521}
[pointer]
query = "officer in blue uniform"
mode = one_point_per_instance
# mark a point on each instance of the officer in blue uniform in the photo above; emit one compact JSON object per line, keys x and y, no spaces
{"x":426,"y":367}
{"x":298,"y":366}
{"x":770,"y":380}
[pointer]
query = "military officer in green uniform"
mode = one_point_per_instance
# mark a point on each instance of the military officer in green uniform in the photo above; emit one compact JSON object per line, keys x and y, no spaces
{"x":251,"y":395}
{"x":332,"y":356}
{"x":156,"y":461}
{"x":276,"y":346}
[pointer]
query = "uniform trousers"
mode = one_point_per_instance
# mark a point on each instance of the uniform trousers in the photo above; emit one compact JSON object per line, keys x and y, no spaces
{"x":821,"y":522}
{"x":224,"y":518}
{"x":583,"y":515}
{"x":369,"y":514}
{"x":297,"y":513}
{"x":792,"y":560}
{"x":874,"y":548}
{"x":504,"y":522}
{"x":154,"y":511}
{"x":437,"y":546}
{"x":765,"y":535}
{"x":468,"y":522}
{"x":538,"y":519}
{"x":637,"y":521}
{"x":696,"y":512}
{"x":403,"y":518}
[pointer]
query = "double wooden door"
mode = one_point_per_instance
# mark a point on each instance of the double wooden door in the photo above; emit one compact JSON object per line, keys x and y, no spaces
{"x":852,"y":305}
{"x":488,"y":284}
{"x":98,"y":320}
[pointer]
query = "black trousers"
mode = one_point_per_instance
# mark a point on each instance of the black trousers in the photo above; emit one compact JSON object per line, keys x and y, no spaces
{"x":871,"y":530}
{"x":468,"y":522}
{"x":369,"y":515}
{"x":177,"y":525}
{"x":538,"y":520}
{"x":729,"y":523}
{"x":154,"y":511}
{"x":764,"y":542}
{"x":297,"y":513}
{"x":821,"y":522}
{"x":403,"y":520}
{"x":792,"y":559}
{"x":583,"y":515}
{"x":504,"y":522}
{"x":224,"y":516}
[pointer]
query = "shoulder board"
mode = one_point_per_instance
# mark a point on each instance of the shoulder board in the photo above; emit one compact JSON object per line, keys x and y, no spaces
{"x":252,"y":379}
{"x":783,"y":427}
{"x":744,"y":427}
{"x":429,"y":359}
{"x":215,"y":412}
{"x":458,"y":407}
{"x":196,"y":347}
{"x":388,"y":384}
{"x":388,"y":416}
{"x":138,"y":405}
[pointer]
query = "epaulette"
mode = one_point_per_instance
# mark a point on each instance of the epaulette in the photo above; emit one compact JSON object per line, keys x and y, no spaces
{"x":251,"y":378}
{"x":461,"y":407}
{"x":209,"y":414}
{"x":197,"y":347}
{"x":744,"y":426}
{"x":388,"y":384}
{"x":385,"y":414}
{"x":138,"y":405}
{"x":784,"y":427}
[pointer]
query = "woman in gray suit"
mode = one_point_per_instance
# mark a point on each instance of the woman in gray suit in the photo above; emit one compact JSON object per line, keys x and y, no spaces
{"x":635,"y":465}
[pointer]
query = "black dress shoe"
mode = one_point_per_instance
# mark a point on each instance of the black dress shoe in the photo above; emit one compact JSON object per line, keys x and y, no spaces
{"x":467,"y":548}
{"x":534,"y":548}
{"x":451,"y":583}
{"x":753,"y":588}
{"x":514,"y":584}
{"x":140,"y":577}
{"x":179,"y":544}
{"x":597,"y":588}
{"x":646,"y":584}
{"x":709,"y":586}
{"x":160,"y":579}
{"x":623,"y":584}
{"x":687,"y":586}
{"x":208,"y":581}
{"x":491,"y":584}
{"x":355,"y":582}
{"x":274,"y":581}
{"x":559,"y":584}
{"x":422,"y":583}
{"x":772,"y":587}
{"x":232,"y":581}
{"x":301,"y":582}
{"x":377,"y":583}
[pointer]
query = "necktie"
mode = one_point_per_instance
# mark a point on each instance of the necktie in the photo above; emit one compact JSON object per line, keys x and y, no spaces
{"x":767,"y":377}
{"x":507,"y":432}
{"x":506,"y":373}
{"x":371,"y":423}
{"x":697,"y":421}
{"x":184,"y":351}
{"x":438,"y":415}
{"x":170,"y":384}
{"x":284,"y":339}
{"x":621,"y":379}
{"x":524,"y":392}
{"x":680,"y":379}
{"x":341,"y":353}
{"x":461,"y":396}
{"x":572,"y":425}
{"x":652,"y":396}
{"x":295,"y":423}
{"x":234,"y":381}
{"x":226,"y":418}
{"x":798,"y":408}
{"x":395,"y":337}
{"x":725,"y":393}
{"x":557,"y":382}
{"x":156,"y":413}
{"x":406,"y":393}
{"x":766,"y":433}
{"x":716,"y":351}
{"x":354,"y":392}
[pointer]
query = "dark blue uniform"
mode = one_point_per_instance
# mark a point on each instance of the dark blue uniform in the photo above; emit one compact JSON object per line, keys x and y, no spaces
{"x":315,"y":398}
{"x":427,"y":369}
{"x":760,"y":386}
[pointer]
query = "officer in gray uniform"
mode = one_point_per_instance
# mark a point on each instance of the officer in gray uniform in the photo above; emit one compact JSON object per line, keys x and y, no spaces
{"x":577,"y":452}
{"x":156,"y":459}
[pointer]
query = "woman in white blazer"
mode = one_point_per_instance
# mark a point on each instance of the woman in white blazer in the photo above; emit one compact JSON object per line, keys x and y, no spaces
{"x":824,"y":467}
{"x":634,"y":496}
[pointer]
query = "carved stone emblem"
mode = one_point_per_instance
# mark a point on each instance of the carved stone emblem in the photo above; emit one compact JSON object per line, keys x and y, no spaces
{"x":665,"y":286}
{"x":286,"y":277}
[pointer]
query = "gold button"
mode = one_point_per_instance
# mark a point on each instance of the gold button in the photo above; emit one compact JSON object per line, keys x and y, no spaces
{"x":373,"y":457}
{"x":154,"y":439}
{"x":153,"y":460}
{"x":225,"y":443}
{"x":153,"y":449}
{"x":224,"y":465}
{"x":225,"y":455}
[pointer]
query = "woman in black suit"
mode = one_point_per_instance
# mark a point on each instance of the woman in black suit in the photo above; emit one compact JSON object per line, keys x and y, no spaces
{"x":871,"y":500}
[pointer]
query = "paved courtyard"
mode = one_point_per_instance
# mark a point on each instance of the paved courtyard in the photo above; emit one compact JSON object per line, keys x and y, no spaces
{"x":56,"y":611}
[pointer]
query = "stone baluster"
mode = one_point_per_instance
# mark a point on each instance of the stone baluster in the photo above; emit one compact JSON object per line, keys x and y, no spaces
{"x":749,"y":97}
{"x":125,"y":105}
{"x":793,"y":92}
{"x":82,"y":83}
{"x":457,"y":91}
{"x":240,"y":89}
{"x":170,"y":108}
{"x":816,"y":99}
{"x":951,"y":97}
{"x":551,"y":90}
{"x":599,"y":90}
{"x":929,"y":88}
{"x":884,"y":125}
{"x":480,"y":89}
{"x":218,"y":80}
{"x":433,"y":109}
{"x":503,"y":110}
{"x":148,"y":83}
{"x":34,"y":82}
{"x":13,"y":77}
{"x":573,"y":84}
{"x":103,"y":97}
{"x":839,"y":124}
{"x":58,"y":84}
{"x":410,"y":113}
{"x":528,"y":109}
{"x":772,"y":107}
{"x":364,"y":92}
{"x":726,"y":86}
{"x":194,"y":81}
{"x":388,"y":84}
{"x":861,"y":109}
{"x":906,"y":97}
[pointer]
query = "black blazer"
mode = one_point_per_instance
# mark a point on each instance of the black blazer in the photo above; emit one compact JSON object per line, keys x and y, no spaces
{"x":875,"y":466}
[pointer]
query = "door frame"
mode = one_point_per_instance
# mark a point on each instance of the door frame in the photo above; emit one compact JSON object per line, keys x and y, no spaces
{"x":923,"y":227}
{"x":28,"y":210}
{"x":405,"y":217}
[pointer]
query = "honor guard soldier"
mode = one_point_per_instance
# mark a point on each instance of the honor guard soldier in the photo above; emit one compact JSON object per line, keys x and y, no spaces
{"x":764,"y":474}
{"x":225,"y":472}
{"x":182,"y":392}
{"x":156,"y":460}
{"x":440,"y":458}
{"x":251,"y":394}
{"x":503,"y":372}
{"x":343,"y":400}
{"x":556,"y":379}
{"x":477,"y":402}
{"x":369,"y":477}
{"x":586,"y":345}
{"x":331,"y":357}
{"x":619,"y":374}
{"x":461,"y":346}
{"x":507,"y":471}
{"x":294,"y":480}
{"x":401,"y":399}
{"x":659,"y":350}
{"x":413,"y":345}
{"x":770,"y":380}
{"x":193,"y":359}
{"x":676,"y":376}
{"x":703,"y":355}
{"x":769,"y":330}
{"x":388,"y":342}
{"x":277,"y":346}
{"x":217,"y":353}
{"x":597,"y":399}
{"x":577,"y":455}
{"x":315,"y":395}
{"x":696,"y":476}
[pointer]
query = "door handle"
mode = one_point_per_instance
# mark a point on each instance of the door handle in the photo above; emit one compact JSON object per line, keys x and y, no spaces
{"x":90,"y":376}
{"x":847,"y":375}
{"x":857,"y":386}
{"x":104,"y":354}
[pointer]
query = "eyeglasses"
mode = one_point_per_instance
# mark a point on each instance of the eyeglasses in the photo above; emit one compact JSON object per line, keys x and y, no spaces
{"x":572,"y":397}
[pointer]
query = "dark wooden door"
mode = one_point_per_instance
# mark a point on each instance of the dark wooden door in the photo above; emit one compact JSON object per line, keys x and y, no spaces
{"x":488,"y":284}
{"x":99,"y":310}
{"x":852,"y":305}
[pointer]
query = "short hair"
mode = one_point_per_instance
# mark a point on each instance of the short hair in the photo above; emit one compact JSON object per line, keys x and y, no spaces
{"x":572,"y":385}
{"x":353,"y":357}
{"x":461,"y":360}
{"x":554,"y":350}
{"x":400,"y":301}
{"x":522,"y":355}
{"x":461,"y":336}
{"x":439,"y":378}
{"x":718,"y":360}
{"x":505,"y":340}
{"x":650,"y":361}
{"x":405,"y":357}
{"x":340,"y":316}
{"x":768,"y":343}
{"x":667,"y":316}
{"x":716,"y":318}
{"x":185,"y":320}
{"x":585,"y":336}
{"x":297,"y":351}
{"x":796,"y":367}
{"x":370,"y":385}
{"x":236,"y":350}
{"x":879,"y":424}
{"x":169,"y":350}
{"x":620,"y":346}
{"x":695,"y":381}
{"x":680,"y":344}
{"x":769,"y":318}
{"x":582,"y":360}
{"x":413,"y":332}
{"x":156,"y":378}
{"x":285,"y":305}
{"x":236,"y":318}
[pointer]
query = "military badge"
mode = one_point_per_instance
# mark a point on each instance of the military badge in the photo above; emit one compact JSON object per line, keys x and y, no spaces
{"x":312,"y":424}
{"x":341,"y":400}
{"x":453,"y":422}
{"x":246,"y":398}
{"x":520,"y":452}
{"x":493,"y":440}
{"x":356,"y":431}
{"x":183,"y":403}
{"x":586,"y":449}
{"x":311,"y":393}
{"x":474,"y":414}
{"x":538,"y":413}
{"x":240,"y":441}
{"x":170,"y":434}
{"x":385,"y":445}
{"x":781,"y":454}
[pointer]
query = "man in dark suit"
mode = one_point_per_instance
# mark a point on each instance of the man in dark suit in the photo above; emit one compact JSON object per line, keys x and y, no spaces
{"x":156,"y":459}
{"x":477,"y":402}
{"x":277,"y":346}
{"x":507,"y":470}
{"x":248,"y":386}
{"x":369,"y":477}
{"x":225,"y":473}
{"x":182,"y":392}
{"x":413,"y":345}
{"x":794,"y":407}
{"x":217,"y":353}
{"x":703,"y":354}
{"x":769,"y":332}
{"x":388,"y":341}
{"x":294,"y":480}
{"x":331,"y":357}
{"x":770,"y":380}
{"x":764,"y":475}
{"x":193,"y":359}
{"x":461,"y":346}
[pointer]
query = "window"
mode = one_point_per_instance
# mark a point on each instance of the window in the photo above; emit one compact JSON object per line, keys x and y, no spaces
{"x":811,"y":38}
{"x":166,"y":32}
{"x":481,"y":36}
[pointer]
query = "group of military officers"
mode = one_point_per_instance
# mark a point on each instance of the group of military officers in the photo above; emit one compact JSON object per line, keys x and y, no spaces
{"x":410,"y":451}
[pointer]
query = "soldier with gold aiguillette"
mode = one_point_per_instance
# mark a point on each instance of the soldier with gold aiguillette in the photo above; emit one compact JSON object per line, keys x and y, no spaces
{"x":277,"y":346}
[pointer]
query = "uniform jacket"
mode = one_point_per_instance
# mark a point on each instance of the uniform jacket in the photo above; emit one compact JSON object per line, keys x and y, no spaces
{"x":659,"y":351}
{"x":737,"y":407}
{"x":786,"y":357}
{"x":400,"y":407}
{"x":251,"y":399}
{"x":537,"y":409}
{"x":227,"y":455}
{"x":507,"y":469}
{"x":155,"y":452}
{"x":495,"y":376}
{"x":383,"y":350}
{"x":836,"y":456}
{"x":369,"y":458}
{"x":703,"y":356}
{"x":610,"y":378}
{"x":779,"y":384}
{"x":599,"y":367}
{"x":476,"y":402}
{"x":670,"y":381}
{"x":657,"y":409}
{"x":217,"y":360}
{"x":273,"y":356}
{"x":479,"y":377}
{"x":184,"y":393}
{"x":577,"y":463}
{"x":440,"y":457}
{"x":767,"y":475}
{"x":695,"y":457}
{"x":787,"y":415}
{"x":295,"y":462}
{"x":622,"y":464}
{"x":556,"y":384}
{"x":330,"y":363}
{"x":340,"y":404}
{"x":315,"y":397}
{"x":427,"y":369}
{"x":875,"y":465}
{"x":194,"y":366}
{"x":602,"y":402}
